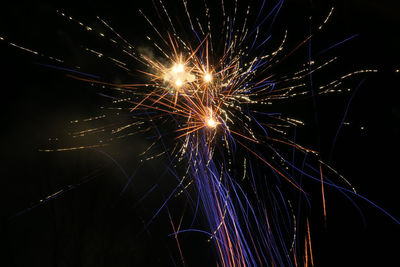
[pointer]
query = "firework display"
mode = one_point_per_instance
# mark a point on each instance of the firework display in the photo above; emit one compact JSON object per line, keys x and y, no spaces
{"x":204,"y":88}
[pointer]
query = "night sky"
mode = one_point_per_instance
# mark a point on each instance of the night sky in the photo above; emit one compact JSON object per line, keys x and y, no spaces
{"x":93,"y":224}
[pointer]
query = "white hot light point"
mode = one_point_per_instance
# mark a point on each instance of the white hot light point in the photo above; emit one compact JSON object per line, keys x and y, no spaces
{"x":207,"y":77}
{"x":211,"y":122}
{"x":178,"y":68}
{"x":178,"y":83}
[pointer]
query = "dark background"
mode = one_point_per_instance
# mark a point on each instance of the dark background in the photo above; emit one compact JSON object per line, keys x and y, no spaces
{"x":93,"y":224}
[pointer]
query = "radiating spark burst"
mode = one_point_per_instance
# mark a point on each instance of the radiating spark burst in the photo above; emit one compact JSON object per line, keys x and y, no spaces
{"x":211,"y":90}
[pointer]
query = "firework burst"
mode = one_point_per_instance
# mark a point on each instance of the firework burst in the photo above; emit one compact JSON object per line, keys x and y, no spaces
{"x":206,"y":85}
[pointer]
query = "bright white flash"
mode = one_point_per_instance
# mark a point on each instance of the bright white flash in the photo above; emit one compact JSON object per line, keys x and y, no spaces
{"x":207,"y":77}
{"x":211,"y":122}
{"x":178,"y":68}
{"x":178,"y":82}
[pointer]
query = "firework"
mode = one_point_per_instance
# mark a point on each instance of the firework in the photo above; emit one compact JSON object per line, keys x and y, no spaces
{"x":207,"y":87}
